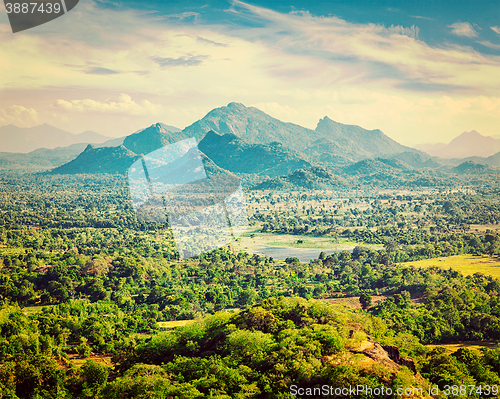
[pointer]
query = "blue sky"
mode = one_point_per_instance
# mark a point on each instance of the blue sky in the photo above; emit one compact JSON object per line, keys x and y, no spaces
{"x":433,"y":17}
{"x":421,"y":71}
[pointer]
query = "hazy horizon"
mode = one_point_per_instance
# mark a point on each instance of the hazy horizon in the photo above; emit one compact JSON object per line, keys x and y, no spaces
{"x":76,"y":133}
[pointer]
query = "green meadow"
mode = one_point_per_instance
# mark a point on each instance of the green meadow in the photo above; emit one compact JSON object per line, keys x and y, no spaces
{"x":465,"y":264}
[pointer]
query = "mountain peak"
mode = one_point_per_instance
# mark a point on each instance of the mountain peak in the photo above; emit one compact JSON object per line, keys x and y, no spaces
{"x":472,"y":133}
{"x":471,"y":137}
{"x":153,"y":137}
{"x":160,"y":127}
{"x":467,"y":144}
{"x":236,"y":105}
{"x":99,"y":160}
{"x":327,"y":123}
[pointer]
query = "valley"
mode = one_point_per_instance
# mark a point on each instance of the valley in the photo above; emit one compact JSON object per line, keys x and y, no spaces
{"x":361,"y":264}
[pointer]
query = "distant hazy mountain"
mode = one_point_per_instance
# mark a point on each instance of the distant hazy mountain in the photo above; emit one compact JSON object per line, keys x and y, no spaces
{"x":472,"y":168}
{"x":153,"y":137}
{"x":41,"y":159}
{"x":493,"y":160}
{"x":311,"y":178}
{"x":430,"y":148}
{"x":379,"y":165}
{"x":417,"y":160}
{"x":110,"y":143}
{"x":45,"y":158}
{"x":24,"y":140}
{"x":468,"y":144}
{"x":351,"y":142}
{"x":99,"y":160}
{"x":88,"y":136}
{"x":234,"y":154}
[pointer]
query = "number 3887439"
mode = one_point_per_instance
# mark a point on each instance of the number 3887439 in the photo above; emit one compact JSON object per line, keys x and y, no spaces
{"x":32,"y":8}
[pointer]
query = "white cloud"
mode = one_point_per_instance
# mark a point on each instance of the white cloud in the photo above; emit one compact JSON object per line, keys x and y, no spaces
{"x":495,"y":29}
{"x":295,"y":66}
{"x":19,"y":115}
{"x":489,"y":44}
{"x":421,"y":17}
{"x":124,"y":105}
{"x":463,"y":29}
{"x":367,"y":54}
{"x":412,"y":31}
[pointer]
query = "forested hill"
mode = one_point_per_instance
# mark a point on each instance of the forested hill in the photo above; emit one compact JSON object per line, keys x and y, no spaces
{"x":234,"y":154}
{"x":351,"y":142}
{"x":99,"y":160}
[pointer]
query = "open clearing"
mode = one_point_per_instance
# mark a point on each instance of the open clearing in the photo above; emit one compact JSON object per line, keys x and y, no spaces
{"x":173,"y":324}
{"x":281,"y":246}
{"x":473,"y":345}
{"x":465,"y":264}
{"x":253,"y":239}
{"x":79,"y":361}
{"x":353,"y":301}
{"x":484,"y":227}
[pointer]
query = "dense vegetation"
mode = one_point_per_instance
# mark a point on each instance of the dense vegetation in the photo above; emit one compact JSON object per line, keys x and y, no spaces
{"x":81,"y":279}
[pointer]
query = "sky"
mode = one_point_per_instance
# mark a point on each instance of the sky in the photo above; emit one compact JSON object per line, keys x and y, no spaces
{"x":422,"y":72}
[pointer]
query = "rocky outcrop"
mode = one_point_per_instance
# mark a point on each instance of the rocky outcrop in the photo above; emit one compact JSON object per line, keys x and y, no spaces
{"x":387,"y":355}
{"x":393,"y":353}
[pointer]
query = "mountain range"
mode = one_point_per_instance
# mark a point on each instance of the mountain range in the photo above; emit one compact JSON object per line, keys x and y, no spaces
{"x":493,"y":160}
{"x":350,"y":142}
{"x":248,"y":142}
{"x":467,"y":144}
{"x":41,"y":159}
{"x":329,"y":142}
{"x":313,"y":178}
{"x":27,"y":139}
{"x":473,"y":168}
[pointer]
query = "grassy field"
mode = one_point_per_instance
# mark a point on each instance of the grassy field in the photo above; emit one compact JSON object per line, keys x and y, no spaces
{"x":353,"y":302}
{"x":173,"y":324}
{"x":34,"y":309}
{"x":79,"y":361}
{"x":465,"y":264}
{"x":484,"y":227}
{"x":252,"y":239}
{"x":473,"y":345}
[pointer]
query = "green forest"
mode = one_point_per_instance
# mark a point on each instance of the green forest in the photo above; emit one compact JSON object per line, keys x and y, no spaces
{"x":93,"y":301}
